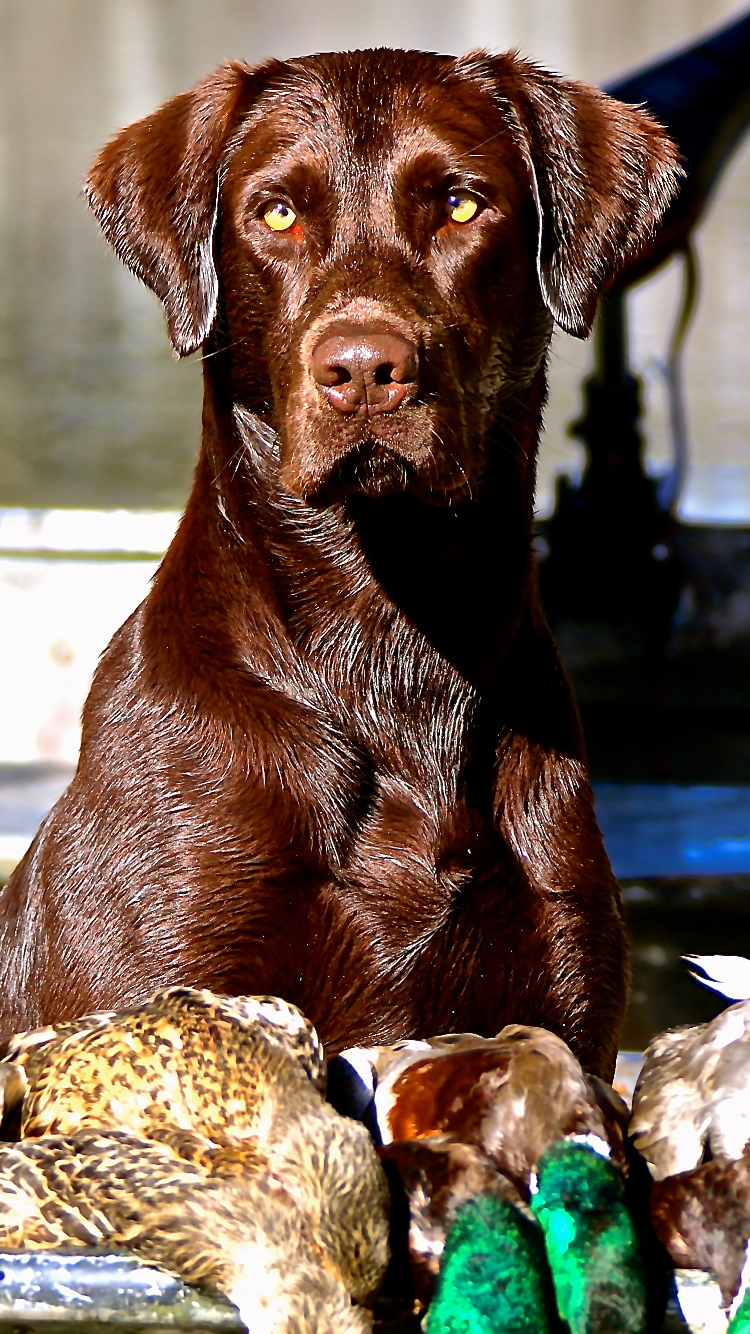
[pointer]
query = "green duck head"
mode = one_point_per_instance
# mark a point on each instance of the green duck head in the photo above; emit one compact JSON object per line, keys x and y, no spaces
{"x":591,"y":1242}
{"x":493,"y":1275}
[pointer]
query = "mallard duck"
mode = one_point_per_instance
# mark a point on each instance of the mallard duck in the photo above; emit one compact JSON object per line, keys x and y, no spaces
{"x":227,"y":1092}
{"x":693,"y":1092}
{"x":512,"y":1096}
{"x":513,"y":1120}
{"x":243,"y":1234}
{"x":186,"y":1058}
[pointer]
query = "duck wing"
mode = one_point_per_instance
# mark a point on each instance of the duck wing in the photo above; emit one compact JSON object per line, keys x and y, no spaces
{"x":282,"y":1024}
{"x":186,"y":1059}
{"x":668,"y":1119}
{"x":152,"y":1033}
{"x":244,"y":1236}
{"x":38,"y":1210}
{"x":694,"y":1088}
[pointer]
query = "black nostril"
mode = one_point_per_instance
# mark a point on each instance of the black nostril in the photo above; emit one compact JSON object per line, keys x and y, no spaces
{"x":337,"y":375}
{"x":384,"y":374}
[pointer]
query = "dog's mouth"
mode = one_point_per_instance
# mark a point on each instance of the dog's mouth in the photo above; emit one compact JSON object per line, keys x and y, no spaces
{"x":369,"y":469}
{"x":374,"y":469}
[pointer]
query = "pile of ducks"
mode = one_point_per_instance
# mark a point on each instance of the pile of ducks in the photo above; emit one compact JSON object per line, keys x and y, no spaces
{"x":488,"y":1185}
{"x":514,"y":1166}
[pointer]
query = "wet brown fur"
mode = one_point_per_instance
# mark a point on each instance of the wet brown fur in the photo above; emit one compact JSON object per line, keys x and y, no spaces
{"x":333,"y":755}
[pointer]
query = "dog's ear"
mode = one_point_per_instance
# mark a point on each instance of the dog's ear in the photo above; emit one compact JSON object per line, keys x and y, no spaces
{"x":602,"y":174}
{"x":154,"y":191}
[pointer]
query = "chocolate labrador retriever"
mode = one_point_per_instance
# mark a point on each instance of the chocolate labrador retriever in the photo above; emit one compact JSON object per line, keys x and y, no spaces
{"x":333,"y":755}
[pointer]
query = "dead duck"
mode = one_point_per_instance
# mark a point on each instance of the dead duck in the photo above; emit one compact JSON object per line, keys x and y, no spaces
{"x":693,"y":1092}
{"x":185,"y":1058}
{"x":511,"y":1096}
{"x":510,"y":1130}
{"x":241,"y":1234}
{"x":483,"y":1258}
{"x":230,"y":1088}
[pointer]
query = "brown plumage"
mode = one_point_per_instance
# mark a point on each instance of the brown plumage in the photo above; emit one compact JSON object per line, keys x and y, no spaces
{"x":245,"y":1235}
{"x":692,"y":1101}
{"x":186,"y":1060}
{"x":191,"y":1131}
{"x":702,"y":1217}
{"x":438,"y":1176}
{"x":511,"y":1096}
{"x":461,"y":1116}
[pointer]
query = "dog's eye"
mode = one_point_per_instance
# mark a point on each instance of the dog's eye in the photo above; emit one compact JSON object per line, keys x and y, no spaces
{"x":461,"y":207}
{"x":279,"y":217}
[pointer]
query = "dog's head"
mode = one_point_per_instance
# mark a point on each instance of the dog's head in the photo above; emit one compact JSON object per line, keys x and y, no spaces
{"x":388,"y":237}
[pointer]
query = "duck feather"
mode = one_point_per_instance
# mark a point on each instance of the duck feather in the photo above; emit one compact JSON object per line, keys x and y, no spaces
{"x":245,"y":1236}
{"x":694,"y":1091}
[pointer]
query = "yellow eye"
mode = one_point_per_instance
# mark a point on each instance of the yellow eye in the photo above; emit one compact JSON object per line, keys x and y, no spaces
{"x":461,"y":207}
{"x":279,"y":217}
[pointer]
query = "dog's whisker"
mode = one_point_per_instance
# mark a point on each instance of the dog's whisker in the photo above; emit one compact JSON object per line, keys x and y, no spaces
{"x":225,"y":347}
{"x":239,"y":451}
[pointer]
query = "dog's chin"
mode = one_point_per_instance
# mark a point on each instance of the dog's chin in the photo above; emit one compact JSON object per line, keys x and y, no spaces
{"x":374,"y":470}
{"x":369,"y":471}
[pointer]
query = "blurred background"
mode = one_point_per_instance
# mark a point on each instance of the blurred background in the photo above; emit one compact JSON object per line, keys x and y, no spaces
{"x":99,"y":428}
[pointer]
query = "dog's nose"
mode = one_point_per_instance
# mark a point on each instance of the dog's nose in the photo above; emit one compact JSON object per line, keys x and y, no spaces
{"x":358,"y":368}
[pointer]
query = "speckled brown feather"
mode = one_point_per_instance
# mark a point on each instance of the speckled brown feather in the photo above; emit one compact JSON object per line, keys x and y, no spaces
{"x":245,"y":1236}
{"x":228,"y":1086}
{"x":186,"y":1059}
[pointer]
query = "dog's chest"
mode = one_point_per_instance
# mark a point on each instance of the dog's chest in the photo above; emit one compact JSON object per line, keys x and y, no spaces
{"x":425,"y":811}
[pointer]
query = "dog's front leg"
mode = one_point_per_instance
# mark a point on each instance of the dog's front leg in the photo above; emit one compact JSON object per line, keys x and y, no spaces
{"x":547,"y":818}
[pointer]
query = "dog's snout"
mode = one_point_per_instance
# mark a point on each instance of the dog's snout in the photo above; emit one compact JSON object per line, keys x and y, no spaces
{"x":358,"y":368}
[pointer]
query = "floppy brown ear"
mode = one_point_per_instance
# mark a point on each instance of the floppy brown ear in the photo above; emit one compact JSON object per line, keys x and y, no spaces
{"x":602,"y":174}
{"x":154,"y":191}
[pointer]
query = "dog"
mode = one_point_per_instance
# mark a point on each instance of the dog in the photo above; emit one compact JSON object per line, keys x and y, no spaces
{"x":333,"y":755}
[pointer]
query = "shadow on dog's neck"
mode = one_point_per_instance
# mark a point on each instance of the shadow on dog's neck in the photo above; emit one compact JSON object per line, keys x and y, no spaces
{"x":457,"y":573}
{"x":461,"y":574}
